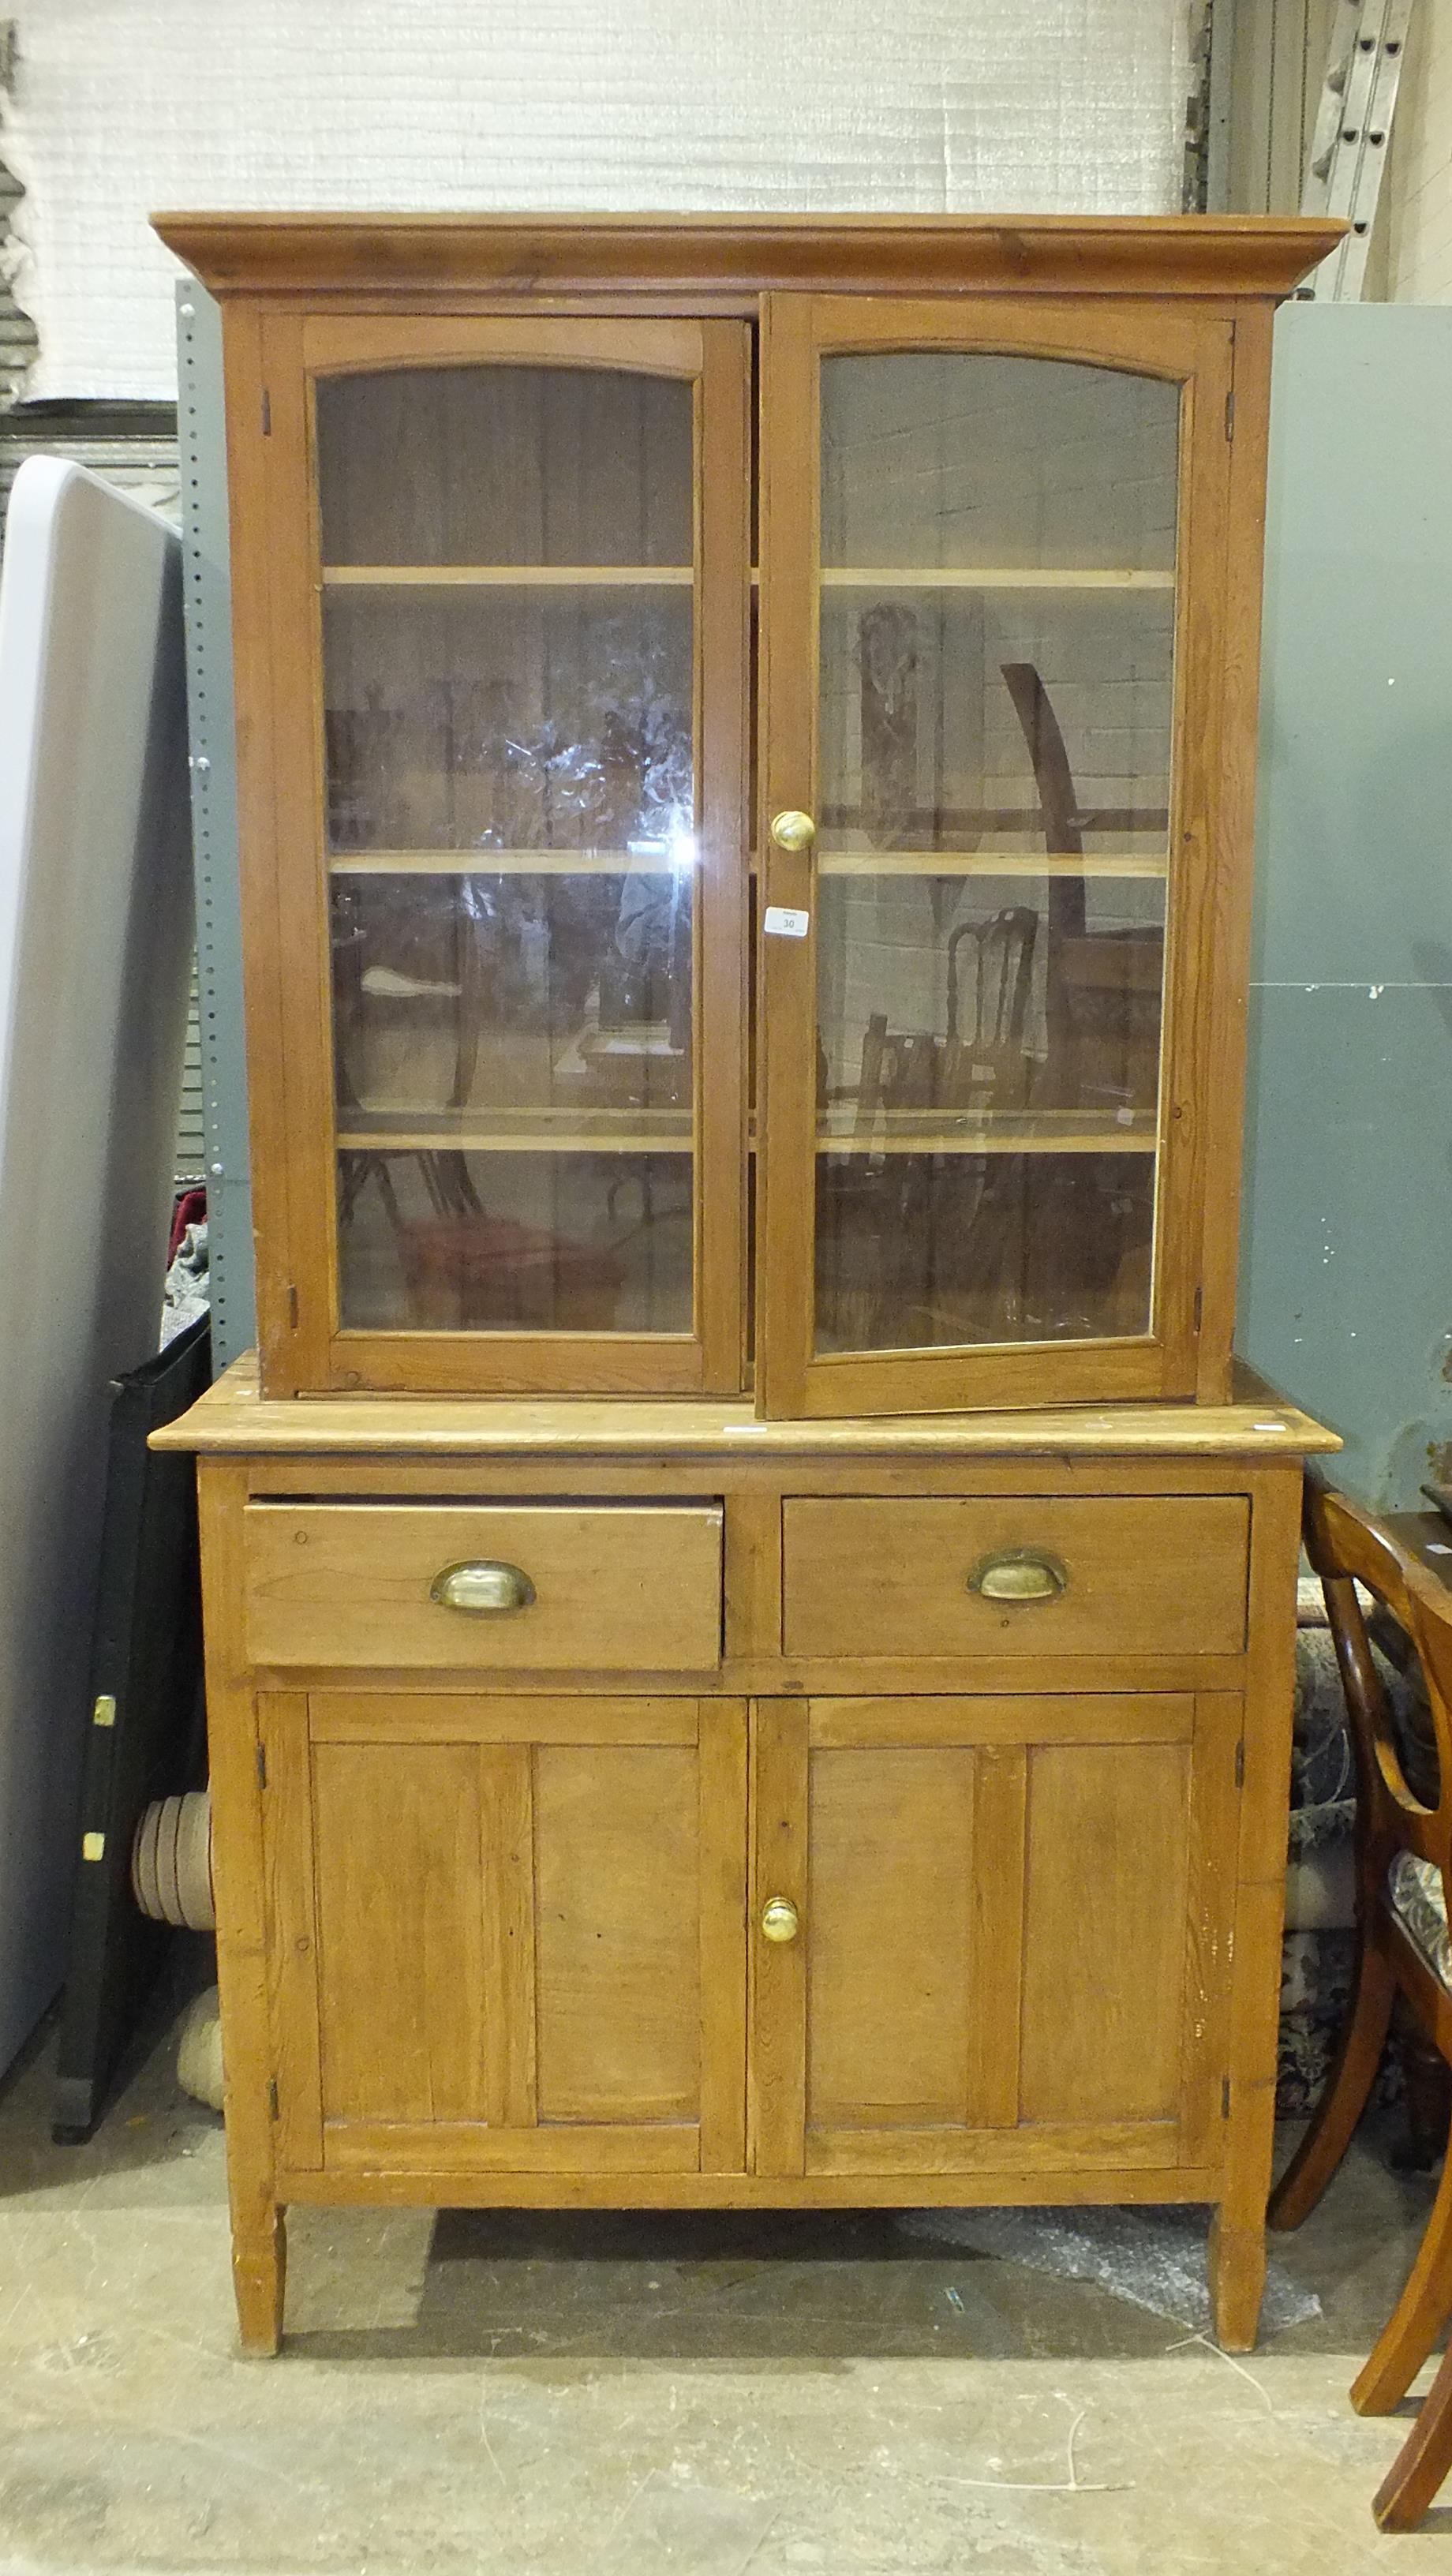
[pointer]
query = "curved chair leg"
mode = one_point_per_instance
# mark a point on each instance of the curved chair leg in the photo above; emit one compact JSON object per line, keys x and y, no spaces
{"x":1352,"y":2076}
{"x":1418,"y":2317}
{"x":1422,"y":2462}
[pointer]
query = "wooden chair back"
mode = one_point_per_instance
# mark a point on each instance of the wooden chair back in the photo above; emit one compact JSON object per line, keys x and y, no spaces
{"x":1346,"y":1547}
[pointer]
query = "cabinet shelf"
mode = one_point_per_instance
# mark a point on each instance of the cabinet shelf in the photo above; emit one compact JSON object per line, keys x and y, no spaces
{"x":508,"y":576}
{"x":989,"y":577}
{"x":524,"y":1131}
{"x":937,"y":1131}
{"x":991,"y":863}
{"x":498,"y":863}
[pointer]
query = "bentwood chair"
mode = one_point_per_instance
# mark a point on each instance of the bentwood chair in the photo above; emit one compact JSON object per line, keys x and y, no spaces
{"x":1403,"y":1859}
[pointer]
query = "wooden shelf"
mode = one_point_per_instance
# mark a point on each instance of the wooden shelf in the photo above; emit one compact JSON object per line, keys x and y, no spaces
{"x":938,"y":1131}
{"x":987,"y":577}
{"x":498,"y":863}
{"x":508,"y":576}
{"x":524,"y":1131}
{"x":991,"y":863}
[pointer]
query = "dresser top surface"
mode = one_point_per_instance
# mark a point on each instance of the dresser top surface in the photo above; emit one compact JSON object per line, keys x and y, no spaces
{"x":233,"y":1418}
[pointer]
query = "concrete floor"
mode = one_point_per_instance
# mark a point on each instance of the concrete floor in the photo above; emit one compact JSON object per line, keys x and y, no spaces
{"x":538,"y":2396}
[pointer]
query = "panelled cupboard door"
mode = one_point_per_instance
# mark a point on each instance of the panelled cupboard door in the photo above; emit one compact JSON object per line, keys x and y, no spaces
{"x":999,"y":899}
{"x":507,"y":1934}
{"x":1006,"y":1929}
{"x":494,"y":839}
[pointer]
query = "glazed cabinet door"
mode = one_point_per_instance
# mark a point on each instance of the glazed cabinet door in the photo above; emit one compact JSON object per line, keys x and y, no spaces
{"x":1003,"y":914}
{"x":991,"y":1935}
{"x":506,"y":1935}
{"x":494,"y":607}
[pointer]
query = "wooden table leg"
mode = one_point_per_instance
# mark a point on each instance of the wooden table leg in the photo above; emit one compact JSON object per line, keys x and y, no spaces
{"x":259,"y":2276}
{"x":1237,"y":2281}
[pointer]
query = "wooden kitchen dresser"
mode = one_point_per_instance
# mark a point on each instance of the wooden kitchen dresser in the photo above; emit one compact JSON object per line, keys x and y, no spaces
{"x":749,"y":1628}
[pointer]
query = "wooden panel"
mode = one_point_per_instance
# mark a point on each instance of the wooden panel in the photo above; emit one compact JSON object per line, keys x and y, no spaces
{"x":447,"y":1717}
{"x":1044,"y":2151}
{"x":617,"y":1886}
{"x":365,"y":2169}
{"x":873,"y":1577}
{"x":443,"y":2149}
{"x":1155,"y":1717}
{"x":614,"y":1589}
{"x":399,"y":1858}
{"x":890,"y":1996}
{"x":291,"y":1439}
{"x":1104,"y":1932}
{"x":776,"y":2063}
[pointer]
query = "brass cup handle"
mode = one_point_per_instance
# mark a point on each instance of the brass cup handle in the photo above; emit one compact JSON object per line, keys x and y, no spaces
{"x":1019,"y":1574}
{"x":779,"y":1919}
{"x":793,"y":831}
{"x":486,"y":1591}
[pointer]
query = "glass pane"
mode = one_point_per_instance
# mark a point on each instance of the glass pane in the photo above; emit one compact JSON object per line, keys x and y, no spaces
{"x":509,"y":683}
{"x":996,"y":697}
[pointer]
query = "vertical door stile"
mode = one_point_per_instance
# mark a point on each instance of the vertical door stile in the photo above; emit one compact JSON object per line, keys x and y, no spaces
{"x":506,"y":1862}
{"x":1209,"y":1920}
{"x":723,"y":718}
{"x":721,"y":1759}
{"x":292,"y":1944}
{"x":778,"y":2058}
{"x":786,"y":1110}
{"x":998,"y":1860}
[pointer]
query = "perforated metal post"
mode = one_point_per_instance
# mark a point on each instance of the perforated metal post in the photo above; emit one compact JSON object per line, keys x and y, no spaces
{"x":207,"y":588}
{"x":1353,"y":131}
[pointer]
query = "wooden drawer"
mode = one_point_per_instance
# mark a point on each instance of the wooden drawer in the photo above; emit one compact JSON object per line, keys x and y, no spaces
{"x":1144,"y":1574}
{"x":615,"y":1588}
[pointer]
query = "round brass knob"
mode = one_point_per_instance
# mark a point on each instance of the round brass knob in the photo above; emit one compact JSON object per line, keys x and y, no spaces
{"x":793,"y":831}
{"x":779,"y":1919}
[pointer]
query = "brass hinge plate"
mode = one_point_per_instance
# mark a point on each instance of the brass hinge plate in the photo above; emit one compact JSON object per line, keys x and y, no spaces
{"x":104,"y":1712}
{"x":93,"y":1846}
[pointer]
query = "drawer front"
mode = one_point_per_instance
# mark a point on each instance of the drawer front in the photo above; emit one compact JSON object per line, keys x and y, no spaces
{"x":1123,"y":1575}
{"x":604,"y":1589}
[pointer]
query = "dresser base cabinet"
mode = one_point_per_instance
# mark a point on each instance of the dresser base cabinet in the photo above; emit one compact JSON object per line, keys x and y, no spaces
{"x":880,"y":1876}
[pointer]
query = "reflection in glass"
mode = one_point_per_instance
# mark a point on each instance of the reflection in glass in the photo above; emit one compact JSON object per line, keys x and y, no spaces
{"x":508,"y":611}
{"x":996,"y":705}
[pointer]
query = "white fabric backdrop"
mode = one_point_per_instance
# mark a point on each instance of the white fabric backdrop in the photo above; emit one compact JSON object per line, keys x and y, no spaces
{"x":120,"y":106}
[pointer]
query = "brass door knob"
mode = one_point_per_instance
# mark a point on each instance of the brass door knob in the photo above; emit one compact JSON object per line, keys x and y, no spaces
{"x":779,"y":1919}
{"x":1020,"y":1574}
{"x":793,"y":831}
{"x":488,"y":1591}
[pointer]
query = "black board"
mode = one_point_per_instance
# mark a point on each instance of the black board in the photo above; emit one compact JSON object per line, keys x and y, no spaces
{"x":146,"y":1658}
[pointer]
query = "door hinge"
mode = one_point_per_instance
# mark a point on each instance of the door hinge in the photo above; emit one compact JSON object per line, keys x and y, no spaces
{"x":261,"y":1766}
{"x":1224,"y":2097}
{"x":1240,"y":1764}
{"x":272,"y":2111}
{"x":1230,"y":413}
{"x":267,"y":413}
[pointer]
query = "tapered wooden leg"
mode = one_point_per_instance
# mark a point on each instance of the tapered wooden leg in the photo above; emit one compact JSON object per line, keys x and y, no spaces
{"x":1418,"y":2317}
{"x":1237,"y":2281}
{"x":1352,"y":2075}
{"x":259,"y":2278}
{"x":1422,"y":2462}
